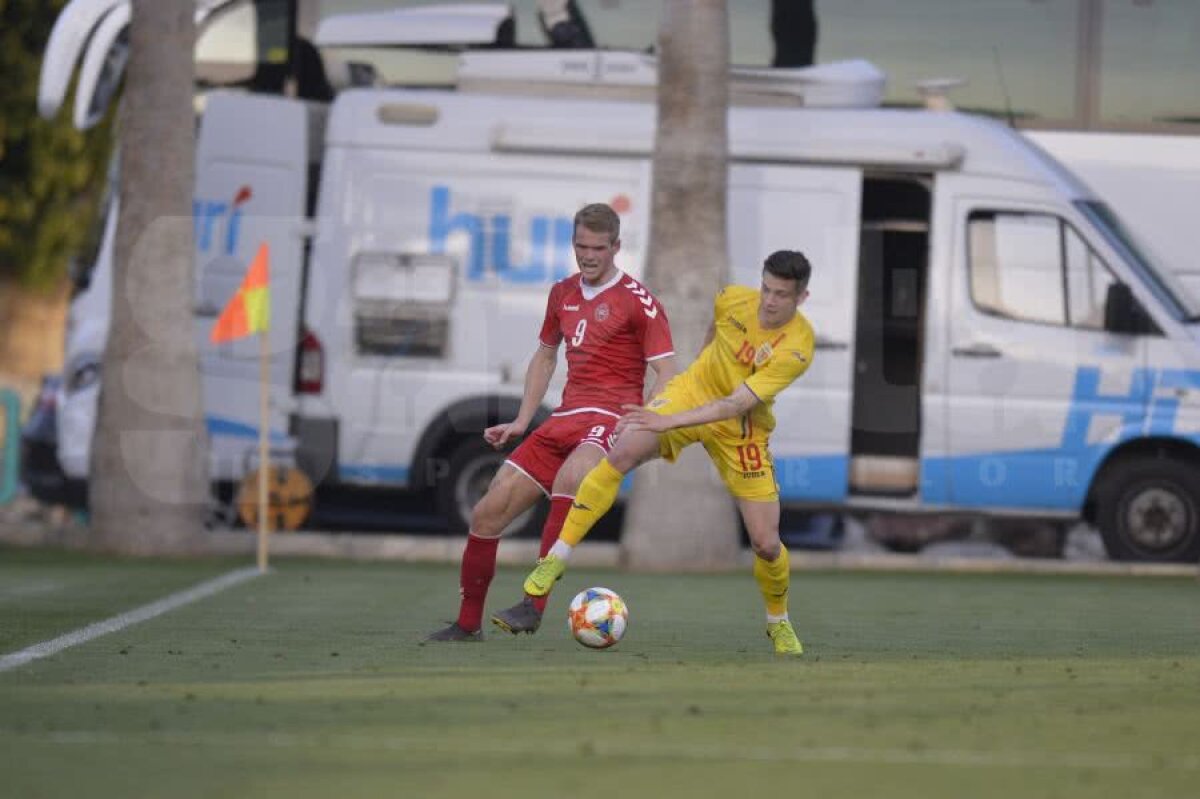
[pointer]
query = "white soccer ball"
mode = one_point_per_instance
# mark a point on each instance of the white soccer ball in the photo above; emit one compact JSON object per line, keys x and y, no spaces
{"x":597,"y":617}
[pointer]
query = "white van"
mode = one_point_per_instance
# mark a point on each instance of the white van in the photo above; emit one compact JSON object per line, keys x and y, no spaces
{"x":990,"y":338}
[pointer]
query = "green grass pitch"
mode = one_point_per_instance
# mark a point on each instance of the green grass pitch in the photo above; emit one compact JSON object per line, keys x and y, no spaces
{"x":311,"y":682}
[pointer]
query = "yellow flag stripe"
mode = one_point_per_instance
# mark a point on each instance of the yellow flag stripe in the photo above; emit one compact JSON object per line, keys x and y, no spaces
{"x":258,"y":309}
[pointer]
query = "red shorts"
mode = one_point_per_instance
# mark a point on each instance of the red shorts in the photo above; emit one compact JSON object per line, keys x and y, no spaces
{"x":542,"y":453}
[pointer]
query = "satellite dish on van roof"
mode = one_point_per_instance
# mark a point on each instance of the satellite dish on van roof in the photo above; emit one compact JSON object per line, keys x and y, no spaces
{"x":935,"y":92}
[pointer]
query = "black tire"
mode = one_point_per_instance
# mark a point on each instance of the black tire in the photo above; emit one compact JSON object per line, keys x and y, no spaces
{"x":1148,"y":509}
{"x":470,"y":469}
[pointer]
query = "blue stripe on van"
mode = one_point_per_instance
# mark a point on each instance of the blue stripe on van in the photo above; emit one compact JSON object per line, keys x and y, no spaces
{"x":228,"y":428}
{"x":814,"y":478}
{"x":1046,"y":479}
{"x":1038,"y":478}
{"x":358,"y":473}
{"x":1056,"y":479}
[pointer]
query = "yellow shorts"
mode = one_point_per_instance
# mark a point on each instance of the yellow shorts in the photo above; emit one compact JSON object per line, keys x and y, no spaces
{"x":744,"y":462}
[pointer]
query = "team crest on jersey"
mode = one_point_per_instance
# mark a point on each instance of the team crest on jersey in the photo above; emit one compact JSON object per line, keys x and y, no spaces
{"x":763,"y":355}
{"x":657,"y":403}
{"x":601,"y":312}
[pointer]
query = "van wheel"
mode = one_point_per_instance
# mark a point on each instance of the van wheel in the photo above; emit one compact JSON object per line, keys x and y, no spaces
{"x":1147,"y":510}
{"x":471,"y":466}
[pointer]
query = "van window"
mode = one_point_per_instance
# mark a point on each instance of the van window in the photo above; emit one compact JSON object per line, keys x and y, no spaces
{"x":1088,"y":280}
{"x":1016,"y":263}
{"x":245,"y":42}
{"x":1166,"y":286}
{"x":1035,"y":268}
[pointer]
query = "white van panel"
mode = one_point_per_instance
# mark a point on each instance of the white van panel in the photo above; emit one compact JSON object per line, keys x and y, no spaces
{"x":250,"y":190}
{"x":1173,"y":380}
{"x":816,"y":211}
{"x":1151,"y":181}
{"x":507,"y":221}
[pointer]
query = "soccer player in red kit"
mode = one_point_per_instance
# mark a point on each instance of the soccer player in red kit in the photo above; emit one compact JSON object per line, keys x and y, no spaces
{"x":613,"y":328}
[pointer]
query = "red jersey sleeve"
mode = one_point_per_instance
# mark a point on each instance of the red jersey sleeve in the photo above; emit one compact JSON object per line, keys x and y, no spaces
{"x":551,"y":335}
{"x":656,"y":332}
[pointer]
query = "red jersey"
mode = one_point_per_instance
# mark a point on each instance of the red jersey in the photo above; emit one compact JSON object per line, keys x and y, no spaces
{"x":611,"y":332}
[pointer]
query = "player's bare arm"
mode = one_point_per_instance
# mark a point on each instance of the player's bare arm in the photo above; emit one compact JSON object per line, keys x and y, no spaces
{"x":664,"y":369}
{"x":736,"y":404}
{"x":537,"y":382}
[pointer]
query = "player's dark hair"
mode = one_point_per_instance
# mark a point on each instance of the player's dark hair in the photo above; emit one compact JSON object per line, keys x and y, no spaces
{"x":789,"y":265}
{"x":599,"y":218}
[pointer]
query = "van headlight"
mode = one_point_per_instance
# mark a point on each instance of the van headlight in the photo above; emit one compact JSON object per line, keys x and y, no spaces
{"x":83,"y":372}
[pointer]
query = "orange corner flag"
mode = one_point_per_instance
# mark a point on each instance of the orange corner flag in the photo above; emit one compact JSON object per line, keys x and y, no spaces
{"x":250,"y":309}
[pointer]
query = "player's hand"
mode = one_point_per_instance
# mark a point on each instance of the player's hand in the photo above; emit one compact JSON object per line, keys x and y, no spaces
{"x":638,"y":418}
{"x":501,"y":434}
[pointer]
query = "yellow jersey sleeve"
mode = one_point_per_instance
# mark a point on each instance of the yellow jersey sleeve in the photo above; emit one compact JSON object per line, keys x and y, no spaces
{"x":787,"y":361}
{"x":730,"y":296}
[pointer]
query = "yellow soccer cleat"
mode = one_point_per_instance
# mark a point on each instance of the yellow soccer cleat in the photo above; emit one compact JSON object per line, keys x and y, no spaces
{"x":784,"y":638}
{"x":547,"y":572}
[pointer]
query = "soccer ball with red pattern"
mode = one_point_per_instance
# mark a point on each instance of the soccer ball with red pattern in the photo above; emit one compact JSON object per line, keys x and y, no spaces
{"x":597,"y":617}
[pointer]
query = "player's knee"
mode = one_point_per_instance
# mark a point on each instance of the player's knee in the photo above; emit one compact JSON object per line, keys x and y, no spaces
{"x":632,"y":451}
{"x":767,"y":547}
{"x":621,"y":461}
{"x":486,"y":516}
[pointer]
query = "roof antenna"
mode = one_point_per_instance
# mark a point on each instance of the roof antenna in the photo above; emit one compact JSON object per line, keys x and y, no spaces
{"x":1012,"y":123}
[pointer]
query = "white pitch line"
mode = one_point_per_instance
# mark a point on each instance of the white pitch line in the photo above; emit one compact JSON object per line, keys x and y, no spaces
{"x":1111,"y":761}
{"x":85,"y":634}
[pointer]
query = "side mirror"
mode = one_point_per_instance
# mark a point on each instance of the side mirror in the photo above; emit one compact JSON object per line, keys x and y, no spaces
{"x":1123,"y":313}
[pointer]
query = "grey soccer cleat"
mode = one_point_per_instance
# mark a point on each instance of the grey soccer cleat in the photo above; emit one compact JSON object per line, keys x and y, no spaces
{"x":455,"y":633}
{"x":522,"y":617}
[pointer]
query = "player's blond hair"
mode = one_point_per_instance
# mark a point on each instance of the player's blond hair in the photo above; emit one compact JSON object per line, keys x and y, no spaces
{"x":600,"y":218}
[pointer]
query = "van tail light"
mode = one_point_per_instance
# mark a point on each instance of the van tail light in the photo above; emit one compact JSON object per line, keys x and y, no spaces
{"x":310,"y":364}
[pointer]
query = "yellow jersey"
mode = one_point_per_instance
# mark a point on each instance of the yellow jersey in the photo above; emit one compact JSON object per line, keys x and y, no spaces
{"x":766,"y":361}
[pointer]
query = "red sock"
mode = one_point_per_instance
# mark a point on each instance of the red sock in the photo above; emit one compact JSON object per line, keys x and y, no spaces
{"x":560,"y":505}
{"x":478,"y":568}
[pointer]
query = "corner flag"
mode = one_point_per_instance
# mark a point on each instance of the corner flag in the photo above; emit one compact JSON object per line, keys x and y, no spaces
{"x":249,"y":311}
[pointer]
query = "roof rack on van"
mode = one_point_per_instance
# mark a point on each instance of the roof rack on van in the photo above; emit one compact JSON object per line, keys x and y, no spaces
{"x":456,"y":24}
{"x":630,"y":75}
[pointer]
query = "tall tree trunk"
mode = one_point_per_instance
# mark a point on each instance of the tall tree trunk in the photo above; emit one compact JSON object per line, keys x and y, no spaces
{"x":680,"y":516}
{"x":149,"y":470}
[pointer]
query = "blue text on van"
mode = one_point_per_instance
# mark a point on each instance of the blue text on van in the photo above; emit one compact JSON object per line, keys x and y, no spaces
{"x":491,"y":240}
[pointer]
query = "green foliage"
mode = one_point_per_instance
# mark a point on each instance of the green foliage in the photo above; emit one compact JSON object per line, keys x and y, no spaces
{"x":51,"y":175}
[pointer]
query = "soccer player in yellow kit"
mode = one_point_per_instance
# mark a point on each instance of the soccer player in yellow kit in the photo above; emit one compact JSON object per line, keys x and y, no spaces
{"x":758,"y":344}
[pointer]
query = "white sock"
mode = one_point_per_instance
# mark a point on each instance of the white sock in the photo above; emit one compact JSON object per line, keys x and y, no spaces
{"x":560,"y":550}
{"x":775,"y":619}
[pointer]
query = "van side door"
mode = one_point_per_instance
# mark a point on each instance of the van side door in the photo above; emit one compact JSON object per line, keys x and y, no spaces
{"x":814,"y":210}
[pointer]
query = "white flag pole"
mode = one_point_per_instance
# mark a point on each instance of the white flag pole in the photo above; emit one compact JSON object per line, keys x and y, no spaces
{"x":264,"y":387}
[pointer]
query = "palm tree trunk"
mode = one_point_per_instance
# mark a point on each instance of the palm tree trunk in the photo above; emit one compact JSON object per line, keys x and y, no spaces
{"x":680,"y":516}
{"x":149,"y":471}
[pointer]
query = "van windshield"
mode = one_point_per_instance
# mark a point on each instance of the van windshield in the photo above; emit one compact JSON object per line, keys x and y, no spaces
{"x":1157,"y":276}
